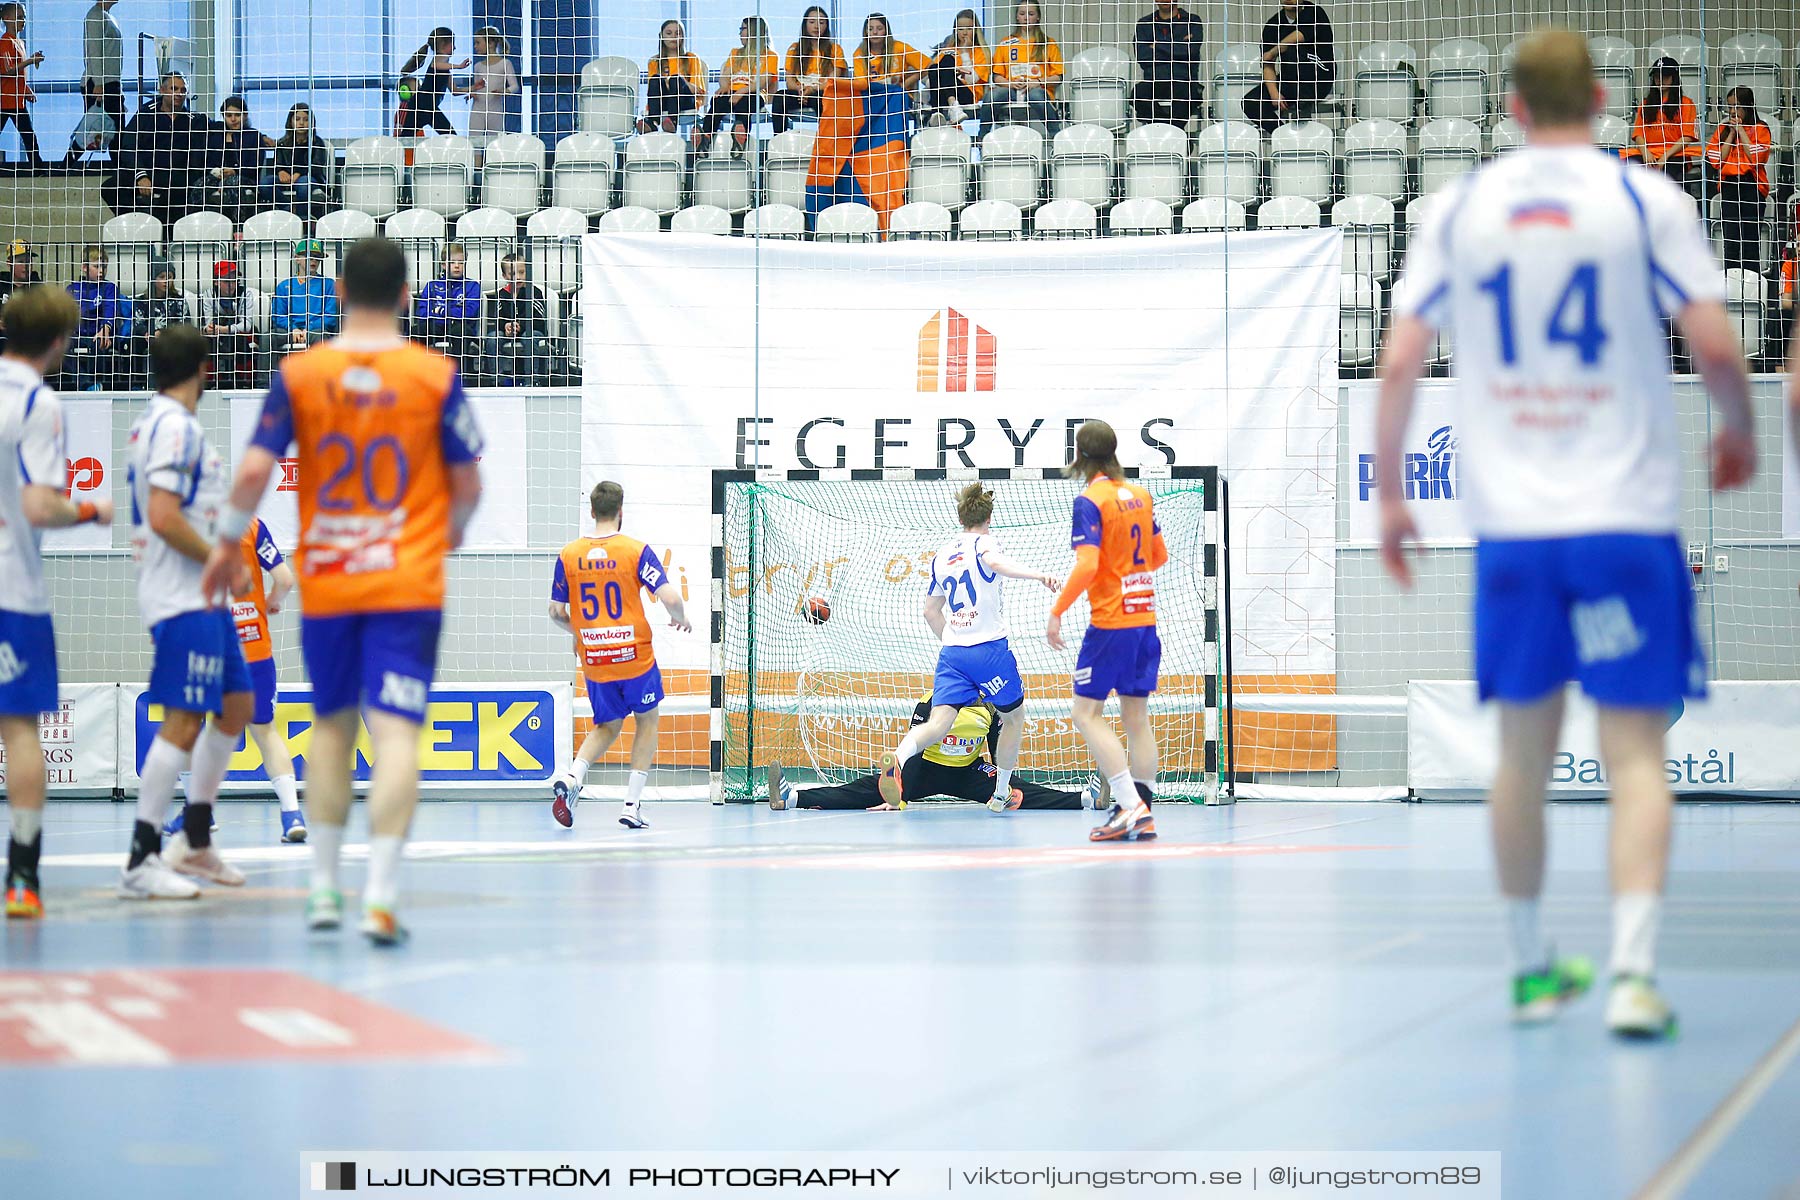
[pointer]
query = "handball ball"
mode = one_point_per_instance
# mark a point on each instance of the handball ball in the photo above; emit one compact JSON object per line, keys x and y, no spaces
{"x":406,"y":90}
{"x":816,"y":611}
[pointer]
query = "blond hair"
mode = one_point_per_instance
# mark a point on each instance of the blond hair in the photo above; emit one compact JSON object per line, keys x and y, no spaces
{"x":974,"y":505}
{"x":1554,"y":77}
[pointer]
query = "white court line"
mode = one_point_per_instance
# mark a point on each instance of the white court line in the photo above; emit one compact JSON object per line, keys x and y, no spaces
{"x":1672,"y":1178}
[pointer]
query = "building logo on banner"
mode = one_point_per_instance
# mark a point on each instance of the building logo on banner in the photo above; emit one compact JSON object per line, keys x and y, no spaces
{"x":86,"y":474}
{"x":955,"y":354}
{"x":1427,"y":476}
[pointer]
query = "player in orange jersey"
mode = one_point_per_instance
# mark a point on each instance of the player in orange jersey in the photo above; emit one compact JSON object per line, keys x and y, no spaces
{"x":387,"y":448}
{"x":1118,"y":548}
{"x":596,"y":593}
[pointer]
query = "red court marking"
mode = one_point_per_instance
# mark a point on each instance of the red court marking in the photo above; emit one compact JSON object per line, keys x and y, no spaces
{"x":1036,"y":856}
{"x":157,"y":1018}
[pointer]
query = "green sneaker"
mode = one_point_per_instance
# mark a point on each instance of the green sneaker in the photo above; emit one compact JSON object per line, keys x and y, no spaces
{"x":1635,"y":1009}
{"x":1537,"y":995}
{"x":324,"y":909}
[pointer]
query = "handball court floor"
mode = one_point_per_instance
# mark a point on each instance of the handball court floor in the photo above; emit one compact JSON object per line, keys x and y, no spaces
{"x":1264,"y":977}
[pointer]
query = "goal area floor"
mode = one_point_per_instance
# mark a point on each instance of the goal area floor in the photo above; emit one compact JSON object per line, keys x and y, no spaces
{"x":1264,"y":977}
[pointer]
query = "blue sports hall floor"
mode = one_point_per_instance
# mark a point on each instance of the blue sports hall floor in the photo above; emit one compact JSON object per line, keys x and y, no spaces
{"x":1264,"y":977}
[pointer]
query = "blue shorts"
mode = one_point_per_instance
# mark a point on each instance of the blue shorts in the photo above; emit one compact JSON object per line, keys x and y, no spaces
{"x":614,"y":700}
{"x":382,"y":660}
{"x":988,"y":671}
{"x":1612,"y":611}
{"x":1117,"y":660}
{"x":262,"y":690}
{"x":27,"y":664}
{"x":198,"y":662}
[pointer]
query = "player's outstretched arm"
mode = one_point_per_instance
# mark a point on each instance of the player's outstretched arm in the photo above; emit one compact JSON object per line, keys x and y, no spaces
{"x":465,"y":497}
{"x":934,"y":615}
{"x":1402,"y":363}
{"x":1713,"y":343}
{"x":560,"y":614}
{"x":1013,"y":569}
{"x":1087,"y":565}
{"x":46,"y":507}
{"x":670,"y":596}
{"x":281,"y":585}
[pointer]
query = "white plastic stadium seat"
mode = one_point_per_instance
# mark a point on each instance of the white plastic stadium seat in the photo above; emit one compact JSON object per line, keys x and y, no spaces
{"x":421,"y":234}
{"x":991,"y":221}
{"x":1745,"y":295}
{"x":1507,"y":134}
{"x":443,"y":168}
{"x":336,"y":230}
{"x":1228,"y":162}
{"x":782,"y":222}
{"x":1375,"y":160}
{"x":583,"y":176}
{"x":939,"y":171}
{"x":512,"y":173}
{"x":1448,"y":147}
{"x":131,"y":241}
{"x":267,"y":248}
{"x":847,"y":223}
{"x":1368,"y":225}
{"x":1140,"y":218}
{"x":702,"y":218}
{"x":1012,"y":165}
{"x":1456,"y":79}
{"x":1689,"y":53}
{"x":920,"y":221}
{"x":373,"y":168}
{"x":1302,"y":161}
{"x":555,"y":237}
{"x":1359,"y":321}
{"x":1615,"y":66}
{"x":785,"y":168}
{"x":1236,"y":69}
{"x":1081,"y":165}
{"x":1095,"y":86}
{"x":724,"y":180}
{"x":488,"y":235}
{"x":1066,"y":219}
{"x":1156,"y":164}
{"x":606,"y":101}
{"x":630,"y":218}
{"x":655,"y":164}
{"x":1753,"y":60}
{"x":1386,"y":82}
{"x":1288,"y":212}
{"x":196,"y":242}
{"x":1611,"y":133}
{"x":1212,"y":213}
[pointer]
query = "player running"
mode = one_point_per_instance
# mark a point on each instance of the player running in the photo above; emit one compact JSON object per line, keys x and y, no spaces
{"x":177,"y":488}
{"x":387,"y":448}
{"x":965,"y":606}
{"x":1554,"y":267}
{"x":596,"y":594}
{"x":1118,"y":548}
{"x":251,"y":609}
{"x":38,"y":321}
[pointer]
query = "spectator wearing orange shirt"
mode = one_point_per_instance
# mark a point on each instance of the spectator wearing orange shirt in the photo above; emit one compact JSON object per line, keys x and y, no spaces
{"x":16,"y":94}
{"x":1665,"y":128}
{"x":959,"y":72}
{"x":746,"y":82}
{"x":811,"y":61}
{"x":1738,"y":154}
{"x":882,"y":58}
{"x":677,"y":80}
{"x":1027,"y":68}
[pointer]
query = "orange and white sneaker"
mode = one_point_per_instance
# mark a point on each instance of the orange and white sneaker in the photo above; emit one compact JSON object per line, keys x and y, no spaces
{"x":1123,"y":825}
{"x":1010,"y":802}
{"x":888,"y":783}
{"x":200,"y":864}
{"x":23,"y":903}
{"x":381,"y":927}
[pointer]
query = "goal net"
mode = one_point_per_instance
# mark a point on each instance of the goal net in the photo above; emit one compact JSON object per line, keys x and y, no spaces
{"x":824,"y":698}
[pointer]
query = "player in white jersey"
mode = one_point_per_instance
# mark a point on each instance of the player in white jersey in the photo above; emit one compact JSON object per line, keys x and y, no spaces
{"x":1554,"y":267}
{"x":178,"y":486}
{"x":965,"y":607}
{"x":33,"y":469}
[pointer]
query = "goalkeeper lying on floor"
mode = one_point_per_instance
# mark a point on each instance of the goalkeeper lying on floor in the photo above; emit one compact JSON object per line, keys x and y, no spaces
{"x":955,"y":767}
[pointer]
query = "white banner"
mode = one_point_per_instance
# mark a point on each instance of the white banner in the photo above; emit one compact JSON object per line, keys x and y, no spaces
{"x":88,"y":423}
{"x":1739,"y":742}
{"x":1428,"y":470}
{"x":500,"y":522}
{"x":81,"y":742}
{"x":1790,"y":476}
{"x":704,"y":352}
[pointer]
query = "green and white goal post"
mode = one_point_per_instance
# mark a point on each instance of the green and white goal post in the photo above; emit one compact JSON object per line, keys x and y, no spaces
{"x":824,"y":698}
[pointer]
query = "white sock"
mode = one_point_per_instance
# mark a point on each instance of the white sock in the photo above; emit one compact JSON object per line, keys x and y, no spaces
{"x":1636,"y":916}
{"x":634,"y":786}
{"x":1529,"y":950}
{"x":909,"y":746}
{"x":383,"y":886}
{"x":578,"y":769}
{"x":184,"y":783}
{"x":286,"y":791}
{"x":156,"y":786}
{"x":212,"y":756}
{"x":1123,"y":791}
{"x":326,"y":841}
{"x":1002,"y":781}
{"x":27,"y":823}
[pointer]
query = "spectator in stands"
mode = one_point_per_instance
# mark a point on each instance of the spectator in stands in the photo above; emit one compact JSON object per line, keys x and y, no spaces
{"x":1027,"y":68}
{"x":881,"y":58}
{"x":234,"y":157}
{"x":16,"y":95}
{"x":447,"y":314}
{"x":1664,"y":129}
{"x":518,"y":347}
{"x":105,"y":323}
{"x":811,"y":60}
{"x":1738,"y":155}
{"x":958,"y":75}
{"x":492,"y":82}
{"x":228,"y":317}
{"x":1790,"y":267}
{"x":1167,"y":44}
{"x":103,"y":62}
{"x":305,"y":309}
{"x":162,"y":154}
{"x":165,"y":304}
{"x":19,"y":274}
{"x":302,"y":166}
{"x":677,"y":80}
{"x":746,"y":82}
{"x":1299,"y":63}
{"x":425,"y":109}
